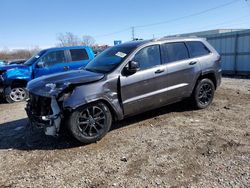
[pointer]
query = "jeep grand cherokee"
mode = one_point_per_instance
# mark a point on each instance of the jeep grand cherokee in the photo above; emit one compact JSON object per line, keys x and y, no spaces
{"x":122,"y":81}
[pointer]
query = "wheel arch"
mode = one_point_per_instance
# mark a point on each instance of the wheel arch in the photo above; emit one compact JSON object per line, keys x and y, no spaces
{"x":111,"y":108}
{"x":115,"y":114}
{"x":14,"y":84}
{"x":18,"y":82}
{"x":210,"y":75}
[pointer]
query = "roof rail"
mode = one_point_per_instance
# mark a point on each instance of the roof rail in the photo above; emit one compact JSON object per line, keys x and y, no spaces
{"x":173,"y":37}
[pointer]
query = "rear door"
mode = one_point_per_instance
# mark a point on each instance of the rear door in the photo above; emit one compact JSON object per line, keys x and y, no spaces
{"x":78,"y":58}
{"x":54,"y":61}
{"x":139,"y":91}
{"x":182,"y":71}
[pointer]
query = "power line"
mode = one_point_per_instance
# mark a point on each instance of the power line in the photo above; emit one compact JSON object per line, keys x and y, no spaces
{"x":232,"y":21}
{"x":133,"y":33}
{"x":187,"y":16}
{"x":247,"y":3}
{"x":226,"y":22}
{"x":168,"y":21}
{"x":113,"y":33}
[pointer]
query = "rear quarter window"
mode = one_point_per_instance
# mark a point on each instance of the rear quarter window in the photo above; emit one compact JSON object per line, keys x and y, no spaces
{"x":79,"y":54}
{"x":197,"y":49}
{"x":175,"y":51}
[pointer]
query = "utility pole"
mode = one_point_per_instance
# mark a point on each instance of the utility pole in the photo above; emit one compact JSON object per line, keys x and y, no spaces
{"x":133,"y":33}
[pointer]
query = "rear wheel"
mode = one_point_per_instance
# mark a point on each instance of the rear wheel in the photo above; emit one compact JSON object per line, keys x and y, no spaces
{"x":16,"y":94}
{"x":90,"y":123}
{"x":203,"y":93}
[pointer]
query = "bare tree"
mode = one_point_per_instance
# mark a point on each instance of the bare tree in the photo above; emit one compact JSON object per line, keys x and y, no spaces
{"x":68,"y":39}
{"x":7,"y":54}
{"x":34,"y":50}
{"x":88,"y":40}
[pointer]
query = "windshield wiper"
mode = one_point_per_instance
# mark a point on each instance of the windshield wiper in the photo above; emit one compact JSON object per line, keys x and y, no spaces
{"x":95,"y":70}
{"x":87,"y":69}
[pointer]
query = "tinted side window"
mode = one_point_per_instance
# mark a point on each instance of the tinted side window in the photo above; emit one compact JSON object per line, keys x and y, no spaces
{"x":197,"y":49}
{"x":79,"y":54}
{"x":148,"y":57}
{"x":175,"y":51}
{"x":53,"y":58}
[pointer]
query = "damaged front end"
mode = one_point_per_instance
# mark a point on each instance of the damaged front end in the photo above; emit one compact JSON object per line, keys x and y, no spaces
{"x":47,"y":95}
{"x":43,"y":108}
{"x":44,"y":112}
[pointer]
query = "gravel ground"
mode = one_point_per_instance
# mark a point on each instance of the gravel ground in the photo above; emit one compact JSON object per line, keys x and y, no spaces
{"x":174,"y":146}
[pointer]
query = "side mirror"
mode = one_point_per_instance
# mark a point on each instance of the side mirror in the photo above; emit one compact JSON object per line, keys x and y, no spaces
{"x":41,"y":64}
{"x":132,"y":67}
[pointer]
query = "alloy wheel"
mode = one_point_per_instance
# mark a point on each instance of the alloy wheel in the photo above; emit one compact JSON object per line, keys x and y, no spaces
{"x":17,"y":94}
{"x":205,"y":94}
{"x":91,"y":121}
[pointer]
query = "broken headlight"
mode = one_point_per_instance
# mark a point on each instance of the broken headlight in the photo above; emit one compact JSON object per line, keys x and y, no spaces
{"x":55,"y":89}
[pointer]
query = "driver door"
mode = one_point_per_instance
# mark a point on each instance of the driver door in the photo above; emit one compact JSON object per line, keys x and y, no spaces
{"x":53,"y":62}
{"x":139,"y":90}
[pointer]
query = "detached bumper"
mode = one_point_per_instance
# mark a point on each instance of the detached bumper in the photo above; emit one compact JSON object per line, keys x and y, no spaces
{"x":50,"y":122}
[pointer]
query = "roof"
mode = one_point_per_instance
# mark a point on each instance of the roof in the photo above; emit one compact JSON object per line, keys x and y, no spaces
{"x":66,"y":48}
{"x":177,"y":38}
{"x":133,"y":43}
{"x":138,"y":43}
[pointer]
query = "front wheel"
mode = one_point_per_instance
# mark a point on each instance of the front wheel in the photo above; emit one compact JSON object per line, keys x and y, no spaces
{"x":16,"y":94}
{"x":203,"y":93}
{"x":90,"y":123}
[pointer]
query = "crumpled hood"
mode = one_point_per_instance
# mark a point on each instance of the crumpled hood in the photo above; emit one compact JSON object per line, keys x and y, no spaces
{"x":54,"y":84}
{"x":7,"y":67}
{"x":22,"y":73}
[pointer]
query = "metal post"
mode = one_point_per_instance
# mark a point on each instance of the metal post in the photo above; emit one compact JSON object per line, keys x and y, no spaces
{"x":133,"y":33}
{"x":235,"y":53}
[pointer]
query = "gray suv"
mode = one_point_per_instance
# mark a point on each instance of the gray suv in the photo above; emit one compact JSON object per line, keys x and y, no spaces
{"x":122,"y":81}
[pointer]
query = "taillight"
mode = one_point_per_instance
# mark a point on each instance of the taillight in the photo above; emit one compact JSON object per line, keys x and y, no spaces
{"x":218,"y":60}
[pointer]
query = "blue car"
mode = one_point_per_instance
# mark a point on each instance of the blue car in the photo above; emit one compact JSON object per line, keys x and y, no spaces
{"x":5,"y":66}
{"x":14,"y":78}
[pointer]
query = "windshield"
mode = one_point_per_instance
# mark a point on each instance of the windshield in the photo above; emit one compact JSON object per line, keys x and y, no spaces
{"x":34,"y":58}
{"x":109,"y":59}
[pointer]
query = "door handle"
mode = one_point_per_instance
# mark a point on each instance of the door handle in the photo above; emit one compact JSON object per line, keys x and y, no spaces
{"x":159,"y":71}
{"x":192,"y":62}
{"x":66,"y":68}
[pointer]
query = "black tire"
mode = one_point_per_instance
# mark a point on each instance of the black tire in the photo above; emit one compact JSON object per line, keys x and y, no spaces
{"x":16,"y":94}
{"x":90,"y":123}
{"x":203,"y":93}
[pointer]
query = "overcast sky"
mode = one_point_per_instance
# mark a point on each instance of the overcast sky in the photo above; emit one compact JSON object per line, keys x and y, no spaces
{"x":29,"y":23}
